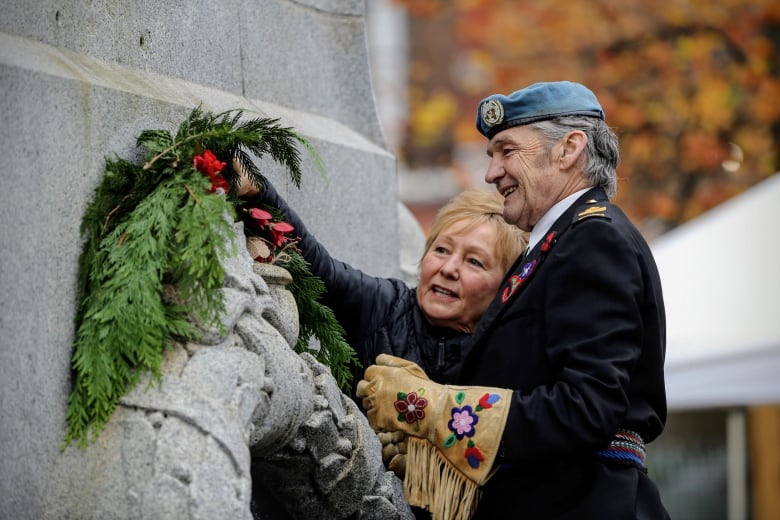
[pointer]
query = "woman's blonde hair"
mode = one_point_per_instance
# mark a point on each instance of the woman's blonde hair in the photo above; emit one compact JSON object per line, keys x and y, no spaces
{"x":474,"y":207}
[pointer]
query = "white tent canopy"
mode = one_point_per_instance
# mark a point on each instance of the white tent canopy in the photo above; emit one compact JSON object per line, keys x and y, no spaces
{"x":721,"y":282}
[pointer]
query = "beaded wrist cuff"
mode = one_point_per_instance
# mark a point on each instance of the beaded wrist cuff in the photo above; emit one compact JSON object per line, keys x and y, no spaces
{"x":626,"y":445}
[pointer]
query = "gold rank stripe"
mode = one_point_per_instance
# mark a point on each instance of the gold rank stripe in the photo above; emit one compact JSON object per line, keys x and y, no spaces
{"x":591,"y":212}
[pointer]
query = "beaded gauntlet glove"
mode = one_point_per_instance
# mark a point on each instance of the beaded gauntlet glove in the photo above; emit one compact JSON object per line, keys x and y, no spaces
{"x":462,"y":425}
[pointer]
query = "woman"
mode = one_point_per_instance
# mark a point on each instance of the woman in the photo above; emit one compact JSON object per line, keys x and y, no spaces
{"x":468,"y":250}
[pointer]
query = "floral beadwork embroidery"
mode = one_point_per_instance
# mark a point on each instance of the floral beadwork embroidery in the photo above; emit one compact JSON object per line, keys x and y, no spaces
{"x":473,"y":455}
{"x":410,"y":408}
{"x":514,"y":283}
{"x":517,"y":279}
{"x":463,"y":423}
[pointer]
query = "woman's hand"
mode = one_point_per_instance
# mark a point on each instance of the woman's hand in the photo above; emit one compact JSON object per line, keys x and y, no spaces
{"x":245,"y":186}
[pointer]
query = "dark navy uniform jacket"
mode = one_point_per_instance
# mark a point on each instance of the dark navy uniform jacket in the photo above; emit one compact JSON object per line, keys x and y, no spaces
{"x":578,"y":332}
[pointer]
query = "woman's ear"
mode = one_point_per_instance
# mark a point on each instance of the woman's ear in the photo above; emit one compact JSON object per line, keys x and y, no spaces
{"x":572,"y":147}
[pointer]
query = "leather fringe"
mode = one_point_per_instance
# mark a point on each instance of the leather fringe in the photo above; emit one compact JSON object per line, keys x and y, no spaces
{"x":431,"y":482}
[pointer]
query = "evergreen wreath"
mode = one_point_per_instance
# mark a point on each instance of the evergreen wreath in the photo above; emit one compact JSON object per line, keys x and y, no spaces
{"x":150,"y":270}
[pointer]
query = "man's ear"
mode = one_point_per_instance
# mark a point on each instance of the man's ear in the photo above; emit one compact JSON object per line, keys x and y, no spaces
{"x":572,"y":148}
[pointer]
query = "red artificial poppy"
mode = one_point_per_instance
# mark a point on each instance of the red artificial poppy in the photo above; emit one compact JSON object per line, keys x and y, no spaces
{"x":219,"y":185}
{"x":263,"y":218}
{"x":548,"y":242}
{"x":278,"y":230}
{"x":208,"y":164}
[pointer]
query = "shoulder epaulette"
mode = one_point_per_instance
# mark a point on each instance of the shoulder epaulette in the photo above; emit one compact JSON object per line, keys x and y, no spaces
{"x":592,"y":208}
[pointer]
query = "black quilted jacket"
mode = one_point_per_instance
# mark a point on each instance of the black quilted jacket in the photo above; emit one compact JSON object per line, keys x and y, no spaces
{"x":379,"y":315}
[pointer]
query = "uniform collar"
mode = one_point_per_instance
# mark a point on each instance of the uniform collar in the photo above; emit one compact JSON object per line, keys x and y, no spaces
{"x":549,"y":218}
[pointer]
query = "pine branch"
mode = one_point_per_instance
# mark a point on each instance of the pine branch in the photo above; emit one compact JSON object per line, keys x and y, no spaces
{"x":151,"y":266}
{"x":319,"y":321}
{"x":125,"y":326}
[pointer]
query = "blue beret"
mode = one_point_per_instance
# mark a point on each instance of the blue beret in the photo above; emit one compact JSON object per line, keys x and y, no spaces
{"x":538,"y":102}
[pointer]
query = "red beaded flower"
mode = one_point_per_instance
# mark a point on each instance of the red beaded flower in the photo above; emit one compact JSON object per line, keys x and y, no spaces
{"x":473,"y":455}
{"x":410,"y":407}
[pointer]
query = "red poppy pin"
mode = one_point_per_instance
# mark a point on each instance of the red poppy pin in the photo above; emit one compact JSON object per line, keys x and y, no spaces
{"x":549,"y":240}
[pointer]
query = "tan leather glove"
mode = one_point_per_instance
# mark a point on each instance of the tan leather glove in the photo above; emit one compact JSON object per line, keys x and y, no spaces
{"x":464,"y":423}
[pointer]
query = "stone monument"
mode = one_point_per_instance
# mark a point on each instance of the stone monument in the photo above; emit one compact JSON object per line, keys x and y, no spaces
{"x":79,"y":81}
{"x":240,"y":426}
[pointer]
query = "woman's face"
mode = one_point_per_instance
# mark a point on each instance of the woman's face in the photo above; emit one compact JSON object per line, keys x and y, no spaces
{"x":459,"y":276}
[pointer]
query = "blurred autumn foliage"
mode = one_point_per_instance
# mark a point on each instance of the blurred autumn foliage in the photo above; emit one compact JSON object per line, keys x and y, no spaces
{"x":691,"y":87}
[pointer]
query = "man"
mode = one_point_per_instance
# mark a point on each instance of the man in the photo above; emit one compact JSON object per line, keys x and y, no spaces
{"x":573,"y":345}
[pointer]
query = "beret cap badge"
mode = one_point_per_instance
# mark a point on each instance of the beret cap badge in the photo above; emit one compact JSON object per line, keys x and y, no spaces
{"x":492,"y":112}
{"x":538,"y":102}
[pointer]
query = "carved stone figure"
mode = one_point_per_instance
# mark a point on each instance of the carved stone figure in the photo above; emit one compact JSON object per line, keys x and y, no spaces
{"x":240,"y":426}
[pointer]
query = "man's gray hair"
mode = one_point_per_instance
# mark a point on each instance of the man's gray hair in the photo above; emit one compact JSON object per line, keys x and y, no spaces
{"x":602,"y":152}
